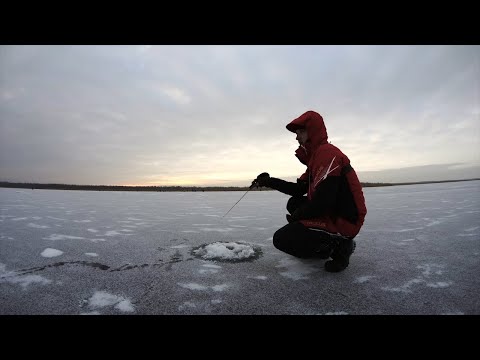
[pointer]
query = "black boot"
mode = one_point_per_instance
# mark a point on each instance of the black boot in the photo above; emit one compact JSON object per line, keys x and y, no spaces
{"x":325,"y":247}
{"x":323,"y":254}
{"x":341,"y":255}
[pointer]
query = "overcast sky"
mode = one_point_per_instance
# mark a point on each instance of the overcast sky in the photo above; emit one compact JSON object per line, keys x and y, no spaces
{"x":216,"y":115}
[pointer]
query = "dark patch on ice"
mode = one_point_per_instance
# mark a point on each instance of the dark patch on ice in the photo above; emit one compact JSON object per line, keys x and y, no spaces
{"x":62,"y":263}
{"x":129,"y":267}
{"x":177,"y":257}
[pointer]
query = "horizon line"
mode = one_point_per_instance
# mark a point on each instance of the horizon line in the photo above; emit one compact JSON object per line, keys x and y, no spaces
{"x":10,"y":184}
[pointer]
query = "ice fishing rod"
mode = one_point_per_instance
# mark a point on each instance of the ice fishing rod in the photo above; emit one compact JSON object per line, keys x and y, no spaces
{"x":254,"y":183}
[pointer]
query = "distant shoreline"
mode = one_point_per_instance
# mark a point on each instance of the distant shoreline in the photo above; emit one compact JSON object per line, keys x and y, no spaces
{"x":34,"y":186}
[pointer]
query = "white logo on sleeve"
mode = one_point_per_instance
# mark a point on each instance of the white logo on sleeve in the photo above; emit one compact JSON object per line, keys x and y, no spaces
{"x":323,"y":172}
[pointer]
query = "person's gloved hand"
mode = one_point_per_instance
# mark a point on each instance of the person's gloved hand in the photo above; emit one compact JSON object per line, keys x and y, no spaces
{"x":262,"y":180}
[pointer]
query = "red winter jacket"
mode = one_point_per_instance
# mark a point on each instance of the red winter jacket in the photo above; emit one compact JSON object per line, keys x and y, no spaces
{"x":332,"y":185}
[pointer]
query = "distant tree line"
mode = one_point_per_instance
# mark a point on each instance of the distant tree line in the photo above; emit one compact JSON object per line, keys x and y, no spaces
{"x":6,"y":184}
{"x":33,"y":186}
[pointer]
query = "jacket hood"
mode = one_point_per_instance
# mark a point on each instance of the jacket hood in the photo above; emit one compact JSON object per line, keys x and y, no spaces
{"x":313,"y":122}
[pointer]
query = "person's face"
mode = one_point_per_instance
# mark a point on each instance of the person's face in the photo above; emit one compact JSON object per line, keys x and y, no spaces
{"x":302,"y":136}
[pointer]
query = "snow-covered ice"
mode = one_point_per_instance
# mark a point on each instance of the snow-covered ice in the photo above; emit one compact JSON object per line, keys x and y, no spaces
{"x":48,"y":252}
{"x":96,"y":253}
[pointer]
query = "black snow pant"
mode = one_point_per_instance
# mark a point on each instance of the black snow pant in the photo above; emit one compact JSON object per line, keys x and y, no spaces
{"x":297,"y":240}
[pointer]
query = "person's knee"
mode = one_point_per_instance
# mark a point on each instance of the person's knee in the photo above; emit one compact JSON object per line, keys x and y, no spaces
{"x":277,"y":240}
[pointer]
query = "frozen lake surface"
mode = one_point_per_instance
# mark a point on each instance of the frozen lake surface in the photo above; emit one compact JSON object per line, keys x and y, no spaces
{"x":87,"y":252}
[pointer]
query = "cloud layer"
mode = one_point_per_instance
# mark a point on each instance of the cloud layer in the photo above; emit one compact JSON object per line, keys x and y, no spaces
{"x":216,"y":115}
